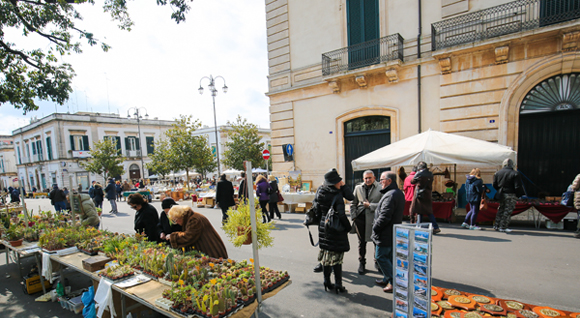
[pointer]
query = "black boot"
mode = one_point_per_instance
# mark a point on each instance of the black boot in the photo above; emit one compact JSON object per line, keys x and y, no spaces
{"x":327,"y":284}
{"x":338,"y":278}
{"x":361,"y":269}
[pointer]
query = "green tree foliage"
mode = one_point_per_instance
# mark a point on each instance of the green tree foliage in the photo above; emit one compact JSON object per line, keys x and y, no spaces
{"x":38,"y":73}
{"x":243,"y":144}
{"x":106,"y":159}
{"x":159,"y":158}
{"x":187,"y":151}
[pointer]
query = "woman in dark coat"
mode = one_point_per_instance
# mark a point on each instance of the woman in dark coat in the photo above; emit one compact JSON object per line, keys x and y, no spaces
{"x":98,"y":196}
{"x":146,"y":217}
{"x":164,"y":227}
{"x":422,"y":203}
{"x":262,"y":187}
{"x":332,"y":245}
{"x":474,"y":189}
{"x":273,"y":204}
{"x":198,"y":233}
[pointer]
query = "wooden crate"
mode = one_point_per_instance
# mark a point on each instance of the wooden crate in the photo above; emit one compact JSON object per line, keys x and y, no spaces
{"x":95,"y":263}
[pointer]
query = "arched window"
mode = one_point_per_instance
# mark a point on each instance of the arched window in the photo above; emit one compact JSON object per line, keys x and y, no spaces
{"x":561,"y":92}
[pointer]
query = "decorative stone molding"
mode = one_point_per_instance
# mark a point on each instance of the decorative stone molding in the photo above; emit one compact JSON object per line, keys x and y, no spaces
{"x":335,"y":87}
{"x":361,"y":81}
{"x":501,"y":54}
{"x":392,"y":75}
{"x":445,"y":64}
{"x":570,"y":41}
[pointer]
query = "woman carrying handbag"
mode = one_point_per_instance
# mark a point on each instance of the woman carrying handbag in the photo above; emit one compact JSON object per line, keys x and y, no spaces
{"x":274,"y":198}
{"x":475,"y":192}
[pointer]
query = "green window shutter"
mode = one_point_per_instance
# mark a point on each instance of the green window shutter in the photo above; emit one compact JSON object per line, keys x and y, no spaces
{"x":137,"y":144}
{"x":33,"y":145}
{"x":48,"y":148}
{"x":39,"y":149}
{"x":85,"y":143}
{"x":72,"y":143}
{"x":118,"y":142}
{"x":127,"y":144}
{"x":371,"y":20}
{"x":150,"y":145}
{"x":354,"y":16}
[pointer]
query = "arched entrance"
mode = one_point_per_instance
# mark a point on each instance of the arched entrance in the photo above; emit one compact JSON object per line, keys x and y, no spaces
{"x":361,"y":136}
{"x":134,"y":172}
{"x":549,"y":136}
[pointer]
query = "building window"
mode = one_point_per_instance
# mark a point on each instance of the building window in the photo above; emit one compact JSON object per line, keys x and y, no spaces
{"x":131,"y":143}
{"x":79,"y":143}
{"x":27,"y":151}
{"x":39,"y":149}
{"x":49,"y":149}
{"x":117,"y":141}
{"x":2,"y":164}
{"x":33,"y":144}
{"x":18,"y":153}
{"x":150,"y":145}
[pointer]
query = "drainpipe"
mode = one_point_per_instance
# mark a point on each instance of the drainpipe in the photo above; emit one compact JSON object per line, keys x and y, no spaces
{"x":419,"y":71}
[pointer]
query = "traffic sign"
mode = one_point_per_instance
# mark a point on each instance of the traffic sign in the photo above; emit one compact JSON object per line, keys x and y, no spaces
{"x":266,"y":154}
{"x":289,"y":149}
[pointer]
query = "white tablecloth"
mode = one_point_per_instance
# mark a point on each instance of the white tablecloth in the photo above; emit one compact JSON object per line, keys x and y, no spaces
{"x":295,"y":198}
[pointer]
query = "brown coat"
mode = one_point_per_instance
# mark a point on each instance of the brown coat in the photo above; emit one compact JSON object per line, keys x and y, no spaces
{"x":199,"y":234}
{"x":424,"y":181}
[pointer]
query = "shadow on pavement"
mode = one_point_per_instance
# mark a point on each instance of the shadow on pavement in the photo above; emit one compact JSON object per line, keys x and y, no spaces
{"x":474,"y":237}
{"x":462,"y":287}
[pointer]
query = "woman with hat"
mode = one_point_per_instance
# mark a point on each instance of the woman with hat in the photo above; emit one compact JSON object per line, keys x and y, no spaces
{"x":332,"y":244}
{"x":164,"y":227}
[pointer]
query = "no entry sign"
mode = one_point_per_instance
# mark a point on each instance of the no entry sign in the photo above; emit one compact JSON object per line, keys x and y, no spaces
{"x":266,"y":154}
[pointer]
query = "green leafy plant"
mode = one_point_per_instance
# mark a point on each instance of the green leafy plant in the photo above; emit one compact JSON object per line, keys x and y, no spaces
{"x":239,"y":226}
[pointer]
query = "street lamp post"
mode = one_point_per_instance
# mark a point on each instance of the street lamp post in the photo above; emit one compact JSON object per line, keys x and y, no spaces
{"x":137,"y":114}
{"x":214,"y":91}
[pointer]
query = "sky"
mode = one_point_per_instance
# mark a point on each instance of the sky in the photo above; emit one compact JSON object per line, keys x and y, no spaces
{"x":159,"y":64}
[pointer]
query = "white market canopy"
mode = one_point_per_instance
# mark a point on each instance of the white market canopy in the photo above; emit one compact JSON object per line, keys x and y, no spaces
{"x":437,"y":148}
{"x":232,"y":172}
{"x":259,"y":170}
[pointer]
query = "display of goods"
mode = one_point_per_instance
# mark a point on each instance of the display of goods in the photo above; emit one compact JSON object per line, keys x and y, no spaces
{"x":435,"y":309}
{"x":453,"y":313}
{"x":492,"y":309}
{"x":450,"y":292}
{"x":512,"y":305}
{"x":445,"y":305}
{"x":436,"y":294}
{"x":471,"y":314}
{"x":462,"y":302}
{"x":548,"y":312}
{"x":117,"y":272}
{"x":480,"y":299}
{"x":524,"y":313}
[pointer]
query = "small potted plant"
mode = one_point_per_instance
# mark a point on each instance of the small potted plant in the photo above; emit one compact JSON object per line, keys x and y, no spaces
{"x":238,"y":227}
{"x":15,"y":235}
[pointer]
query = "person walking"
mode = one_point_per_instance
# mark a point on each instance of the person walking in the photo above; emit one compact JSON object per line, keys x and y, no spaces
{"x":57,"y":198}
{"x":263,"y":193}
{"x":273,"y":203}
{"x":91,"y":189}
{"x":126,"y":187}
{"x":98,"y":196}
{"x":119,"y":190}
{"x":332,"y":245}
{"x":388,"y":213}
{"x":409,"y":190}
{"x":243,"y":189}
{"x":146,"y":217}
{"x":422,"y":203}
{"x":474,"y":191}
{"x":111,"y":191}
{"x":224,"y":196}
{"x":362,"y":212}
{"x":509,"y":187}
{"x":576,"y":189}
{"x":14,"y":195}
{"x":164,"y":227}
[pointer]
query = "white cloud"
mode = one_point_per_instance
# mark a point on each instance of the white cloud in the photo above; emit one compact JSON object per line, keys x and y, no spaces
{"x":159,"y":64}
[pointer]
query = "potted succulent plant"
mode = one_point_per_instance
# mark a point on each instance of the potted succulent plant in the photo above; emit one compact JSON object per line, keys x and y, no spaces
{"x":238,"y":227}
{"x":15,"y":235}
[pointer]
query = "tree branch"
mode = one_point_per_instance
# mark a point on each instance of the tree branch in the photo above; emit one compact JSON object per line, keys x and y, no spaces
{"x":51,"y":38}
{"x":24,"y":57}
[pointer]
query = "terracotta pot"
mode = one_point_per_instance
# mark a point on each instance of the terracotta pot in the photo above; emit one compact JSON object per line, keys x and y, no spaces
{"x":16,"y":243}
{"x":241,"y":231}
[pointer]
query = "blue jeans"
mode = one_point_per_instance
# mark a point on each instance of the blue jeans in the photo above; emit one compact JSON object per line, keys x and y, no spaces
{"x":384,"y":257}
{"x":113,"y":205}
{"x":59,"y":206}
{"x":471,"y":217}
{"x":431,"y":219}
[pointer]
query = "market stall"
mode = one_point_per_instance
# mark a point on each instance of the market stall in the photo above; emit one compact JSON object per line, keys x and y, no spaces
{"x":553,"y":211}
{"x":441,"y":209}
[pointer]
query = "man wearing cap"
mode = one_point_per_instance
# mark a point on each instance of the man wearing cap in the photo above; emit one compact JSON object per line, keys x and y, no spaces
{"x":164,"y":227}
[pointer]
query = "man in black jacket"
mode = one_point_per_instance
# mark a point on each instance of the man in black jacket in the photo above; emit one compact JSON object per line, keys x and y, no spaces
{"x":389,"y":212}
{"x":224,"y":196}
{"x":111,"y":192}
{"x":509,"y":187}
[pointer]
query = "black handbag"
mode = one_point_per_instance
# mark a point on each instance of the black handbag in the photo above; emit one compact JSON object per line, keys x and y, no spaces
{"x":332,"y":222}
{"x":311,"y":218}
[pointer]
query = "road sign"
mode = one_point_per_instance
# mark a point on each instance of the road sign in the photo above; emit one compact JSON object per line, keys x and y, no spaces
{"x":289,"y":149}
{"x":266,"y":154}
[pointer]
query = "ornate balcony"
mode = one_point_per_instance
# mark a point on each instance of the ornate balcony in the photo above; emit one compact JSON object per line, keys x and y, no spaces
{"x":504,"y":19}
{"x":388,"y":48}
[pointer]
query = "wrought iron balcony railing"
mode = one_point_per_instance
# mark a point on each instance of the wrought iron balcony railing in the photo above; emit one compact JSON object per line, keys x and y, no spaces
{"x":504,"y":19}
{"x":388,"y":48}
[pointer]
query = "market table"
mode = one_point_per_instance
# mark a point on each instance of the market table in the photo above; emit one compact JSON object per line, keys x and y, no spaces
{"x":27,"y":249}
{"x":295,"y":198}
{"x":145,"y":294}
{"x":554,"y":212}
{"x":441,"y":209}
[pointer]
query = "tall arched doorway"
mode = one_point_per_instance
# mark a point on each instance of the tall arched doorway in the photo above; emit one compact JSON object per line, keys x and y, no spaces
{"x":548,"y":152}
{"x":361,"y":136}
{"x":134,"y":172}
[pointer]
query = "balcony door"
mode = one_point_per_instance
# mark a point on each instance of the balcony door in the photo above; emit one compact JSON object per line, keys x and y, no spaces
{"x":556,"y":11}
{"x":363,"y":26}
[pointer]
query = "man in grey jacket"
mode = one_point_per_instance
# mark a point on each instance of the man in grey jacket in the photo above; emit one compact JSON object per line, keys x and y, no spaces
{"x":362,"y":211}
{"x":388,"y":213}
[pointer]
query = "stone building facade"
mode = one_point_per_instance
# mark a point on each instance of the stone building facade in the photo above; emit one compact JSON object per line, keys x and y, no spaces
{"x":350,"y":76}
{"x":7,"y":162}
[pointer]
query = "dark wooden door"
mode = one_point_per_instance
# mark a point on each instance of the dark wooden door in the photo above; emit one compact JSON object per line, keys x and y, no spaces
{"x":548,"y":151}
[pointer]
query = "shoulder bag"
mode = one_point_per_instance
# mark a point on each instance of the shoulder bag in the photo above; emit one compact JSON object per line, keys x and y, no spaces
{"x":332,"y":222}
{"x":483,"y":204}
{"x":280,"y":197}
